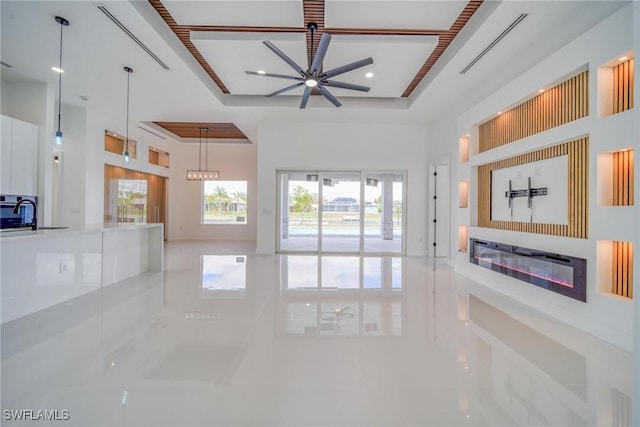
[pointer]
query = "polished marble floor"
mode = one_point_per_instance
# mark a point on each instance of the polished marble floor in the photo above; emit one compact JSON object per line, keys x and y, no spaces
{"x":225,"y":337}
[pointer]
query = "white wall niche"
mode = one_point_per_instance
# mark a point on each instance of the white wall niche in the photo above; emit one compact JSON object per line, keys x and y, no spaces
{"x":606,"y":180}
{"x":605,"y":83}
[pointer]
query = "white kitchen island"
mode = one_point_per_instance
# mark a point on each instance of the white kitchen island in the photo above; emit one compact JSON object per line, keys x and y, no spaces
{"x":39,"y":269}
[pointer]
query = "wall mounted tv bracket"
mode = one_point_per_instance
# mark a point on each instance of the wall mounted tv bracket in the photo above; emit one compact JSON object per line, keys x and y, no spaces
{"x":529,"y":192}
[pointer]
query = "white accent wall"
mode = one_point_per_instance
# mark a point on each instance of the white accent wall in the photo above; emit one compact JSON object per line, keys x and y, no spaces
{"x":606,"y":316}
{"x":342,"y":146}
{"x":236,"y":162}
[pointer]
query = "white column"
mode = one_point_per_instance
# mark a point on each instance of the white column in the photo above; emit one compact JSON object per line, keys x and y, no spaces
{"x":284,"y":206}
{"x":387,"y":207}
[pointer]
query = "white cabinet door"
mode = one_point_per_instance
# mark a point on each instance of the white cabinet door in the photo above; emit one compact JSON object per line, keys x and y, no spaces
{"x":5,"y":155}
{"x":24,"y":158}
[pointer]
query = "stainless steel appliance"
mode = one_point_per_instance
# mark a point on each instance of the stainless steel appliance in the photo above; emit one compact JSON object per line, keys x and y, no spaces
{"x":23,"y":218}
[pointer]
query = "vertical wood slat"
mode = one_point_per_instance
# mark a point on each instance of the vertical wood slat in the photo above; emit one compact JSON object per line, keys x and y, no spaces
{"x":561,"y":104}
{"x":631,"y":177}
{"x":623,"y":75}
{"x":623,"y":178}
{"x":577,"y":184}
{"x":622,"y":269}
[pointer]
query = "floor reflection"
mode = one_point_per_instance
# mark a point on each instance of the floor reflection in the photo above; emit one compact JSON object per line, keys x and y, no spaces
{"x":340,"y":296}
{"x":314,"y":340}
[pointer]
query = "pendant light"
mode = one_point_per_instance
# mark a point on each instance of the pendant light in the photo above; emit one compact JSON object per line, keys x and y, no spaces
{"x":206,"y":174}
{"x":63,"y":23}
{"x":126,"y":155}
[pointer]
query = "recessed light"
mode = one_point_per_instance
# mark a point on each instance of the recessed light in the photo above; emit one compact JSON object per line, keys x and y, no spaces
{"x":57,"y":70}
{"x":369,"y":75}
{"x":624,"y":58}
{"x":499,"y":112}
{"x":262,"y":72}
{"x":540,"y":90}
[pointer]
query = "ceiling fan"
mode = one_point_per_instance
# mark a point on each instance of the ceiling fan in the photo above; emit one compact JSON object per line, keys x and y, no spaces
{"x":315,"y":77}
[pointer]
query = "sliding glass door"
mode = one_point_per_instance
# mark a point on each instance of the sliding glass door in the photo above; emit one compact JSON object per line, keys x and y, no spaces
{"x":298,"y":214}
{"x":383,"y":219}
{"x":341,"y":212}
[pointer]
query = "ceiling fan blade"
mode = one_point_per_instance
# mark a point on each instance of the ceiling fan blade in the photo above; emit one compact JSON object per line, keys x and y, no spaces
{"x":343,"y":85}
{"x":284,"y":57}
{"x":278,"y":92}
{"x":346,"y":68}
{"x":320,"y":53}
{"x":329,"y":96}
{"x":305,"y":97}
{"x":279,"y":76}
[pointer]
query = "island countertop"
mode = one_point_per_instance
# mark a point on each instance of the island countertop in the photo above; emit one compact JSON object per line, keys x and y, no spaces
{"x":42,"y":268}
{"x":45,"y":232}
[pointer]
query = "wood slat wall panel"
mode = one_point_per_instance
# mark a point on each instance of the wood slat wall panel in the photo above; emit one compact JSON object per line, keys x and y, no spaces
{"x":623,"y":86}
{"x":622,"y":269}
{"x":578,"y":191}
{"x":561,"y":104}
{"x":623,"y":177}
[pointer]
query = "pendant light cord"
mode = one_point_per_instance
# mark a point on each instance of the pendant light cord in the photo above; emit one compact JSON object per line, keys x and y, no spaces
{"x":60,"y":79}
{"x":126,"y":149}
{"x":200,"y":152}
{"x":206,"y":147}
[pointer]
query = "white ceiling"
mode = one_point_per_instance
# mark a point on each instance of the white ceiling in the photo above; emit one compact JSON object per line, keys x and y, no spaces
{"x":231,"y":54}
{"x":431,"y":15}
{"x":95,"y":51}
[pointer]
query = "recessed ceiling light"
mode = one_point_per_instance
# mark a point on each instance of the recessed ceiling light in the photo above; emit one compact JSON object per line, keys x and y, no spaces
{"x":369,"y":75}
{"x":624,"y":58}
{"x":57,"y":70}
{"x":262,"y":72}
{"x":540,"y":90}
{"x":499,"y":112}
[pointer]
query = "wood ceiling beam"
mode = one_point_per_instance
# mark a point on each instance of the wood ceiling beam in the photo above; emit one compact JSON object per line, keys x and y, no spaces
{"x":314,"y":12}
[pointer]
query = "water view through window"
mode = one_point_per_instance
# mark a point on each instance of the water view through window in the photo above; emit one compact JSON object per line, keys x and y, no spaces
{"x":335,"y":212}
{"x":224,"y":202}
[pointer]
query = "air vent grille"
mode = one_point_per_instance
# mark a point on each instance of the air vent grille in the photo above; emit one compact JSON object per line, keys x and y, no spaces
{"x":132,"y":36}
{"x":495,"y":42}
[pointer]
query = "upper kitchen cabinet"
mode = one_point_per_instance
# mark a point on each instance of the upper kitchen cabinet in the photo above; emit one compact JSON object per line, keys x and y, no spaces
{"x":19,"y":157}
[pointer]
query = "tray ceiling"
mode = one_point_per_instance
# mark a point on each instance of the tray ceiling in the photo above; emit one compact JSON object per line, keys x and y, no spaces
{"x":404,"y":40}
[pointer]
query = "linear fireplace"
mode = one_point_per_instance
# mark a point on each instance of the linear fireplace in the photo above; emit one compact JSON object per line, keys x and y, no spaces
{"x":559,"y":273}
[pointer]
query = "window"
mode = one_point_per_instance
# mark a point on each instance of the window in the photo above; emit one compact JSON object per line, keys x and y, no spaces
{"x":114,"y":143}
{"x":224,"y":202}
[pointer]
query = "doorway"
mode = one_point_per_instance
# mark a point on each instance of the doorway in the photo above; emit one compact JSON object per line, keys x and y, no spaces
{"x":339,"y":212}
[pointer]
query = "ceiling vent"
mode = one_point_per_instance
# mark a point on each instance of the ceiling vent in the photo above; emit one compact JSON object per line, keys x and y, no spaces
{"x":495,"y":42}
{"x":132,"y":36}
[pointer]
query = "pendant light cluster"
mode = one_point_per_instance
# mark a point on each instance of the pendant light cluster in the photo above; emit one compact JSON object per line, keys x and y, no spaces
{"x":63,"y":23}
{"x":126,"y":155}
{"x":59,"y":137}
{"x":206,"y":174}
